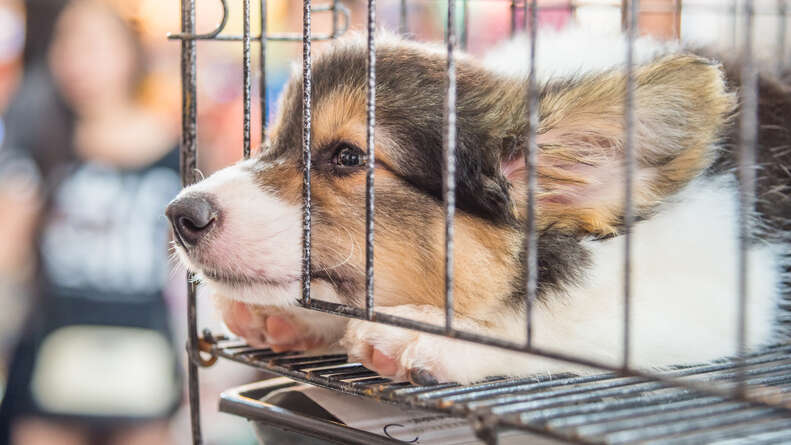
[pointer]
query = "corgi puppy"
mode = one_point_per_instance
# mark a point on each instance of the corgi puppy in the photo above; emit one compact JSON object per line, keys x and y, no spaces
{"x":240,"y":230}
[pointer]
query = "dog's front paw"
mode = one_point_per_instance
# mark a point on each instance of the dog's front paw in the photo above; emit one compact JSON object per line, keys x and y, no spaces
{"x":422,"y":358}
{"x":266,"y":326}
{"x":393,"y":352}
{"x":404,"y":354}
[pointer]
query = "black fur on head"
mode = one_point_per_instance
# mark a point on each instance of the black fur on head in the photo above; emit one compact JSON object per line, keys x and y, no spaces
{"x":411,"y":91}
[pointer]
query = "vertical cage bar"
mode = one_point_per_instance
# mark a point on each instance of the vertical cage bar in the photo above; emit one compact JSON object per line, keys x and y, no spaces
{"x":782,"y":24}
{"x":677,"y":21}
{"x":188,"y":152}
{"x":624,"y":15}
{"x":513,"y":17}
{"x":246,"y":77}
{"x":369,"y":179}
{"x":734,"y":23}
{"x":465,"y":24}
{"x":449,"y":184}
{"x":531,"y":239}
{"x":262,"y":68}
{"x":306,"y":103}
{"x":747,"y":146}
{"x":193,"y":382}
{"x":403,"y":18}
{"x":334,"y":18}
{"x":628,"y":211}
{"x":188,"y":163}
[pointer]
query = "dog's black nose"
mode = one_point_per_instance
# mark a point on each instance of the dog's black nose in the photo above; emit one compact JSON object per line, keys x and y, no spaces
{"x":192,"y":217}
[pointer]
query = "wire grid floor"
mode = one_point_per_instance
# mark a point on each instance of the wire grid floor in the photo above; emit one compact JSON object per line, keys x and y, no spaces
{"x":603,"y":408}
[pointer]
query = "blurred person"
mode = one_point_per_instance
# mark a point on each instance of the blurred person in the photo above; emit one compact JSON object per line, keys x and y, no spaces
{"x":12,"y":38}
{"x":14,"y":199}
{"x":95,"y":362}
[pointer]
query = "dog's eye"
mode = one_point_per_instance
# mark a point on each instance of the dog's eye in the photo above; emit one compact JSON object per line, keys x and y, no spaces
{"x":348,"y":156}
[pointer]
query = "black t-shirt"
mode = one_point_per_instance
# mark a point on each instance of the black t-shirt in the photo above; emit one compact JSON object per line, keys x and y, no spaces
{"x":97,"y":345}
{"x":103,"y":244}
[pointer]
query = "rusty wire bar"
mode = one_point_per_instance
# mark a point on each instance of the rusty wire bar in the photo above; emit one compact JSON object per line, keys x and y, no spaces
{"x":306,"y":104}
{"x":531,"y":151}
{"x":370,"y":162}
{"x":336,"y":7}
{"x":678,"y":12}
{"x":726,"y":7}
{"x":513,"y":18}
{"x":465,"y":24}
{"x":335,"y":11}
{"x":403,"y":18}
{"x":628,"y":211}
{"x":588,"y":409}
{"x":262,"y":72}
{"x":449,"y":183}
{"x":782,"y":25}
{"x":246,"y":86}
{"x":747,"y":146}
{"x":719,"y":8}
{"x":624,"y":14}
{"x":274,"y":37}
{"x":190,"y":35}
{"x":188,"y":162}
{"x":188,"y":152}
{"x":193,"y":359}
{"x":734,"y":12}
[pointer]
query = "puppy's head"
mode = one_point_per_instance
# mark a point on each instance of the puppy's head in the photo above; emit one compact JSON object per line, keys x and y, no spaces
{"x":241,"y":229}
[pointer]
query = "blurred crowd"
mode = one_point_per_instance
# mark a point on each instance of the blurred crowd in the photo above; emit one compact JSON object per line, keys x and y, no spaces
{"x":93,"y":321}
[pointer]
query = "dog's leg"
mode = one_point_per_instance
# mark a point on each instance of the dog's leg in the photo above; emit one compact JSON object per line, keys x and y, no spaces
{"x":423,"y":358}
{"x":278,"y":328}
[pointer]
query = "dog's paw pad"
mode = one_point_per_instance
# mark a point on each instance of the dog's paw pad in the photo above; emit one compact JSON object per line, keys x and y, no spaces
{"x":383,"y":364}
{"x":280,"y":330}
{"x":398,"y":368}
{"x":265,"y":327}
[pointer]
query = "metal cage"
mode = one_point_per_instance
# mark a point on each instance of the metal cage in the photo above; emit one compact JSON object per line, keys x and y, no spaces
{"x":748,"y":397}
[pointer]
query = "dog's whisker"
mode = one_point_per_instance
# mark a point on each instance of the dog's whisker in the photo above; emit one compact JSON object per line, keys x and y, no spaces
{"x":348,"y":257}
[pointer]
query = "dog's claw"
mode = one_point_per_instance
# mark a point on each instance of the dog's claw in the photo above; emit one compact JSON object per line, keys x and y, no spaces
{"x":421,"y":377}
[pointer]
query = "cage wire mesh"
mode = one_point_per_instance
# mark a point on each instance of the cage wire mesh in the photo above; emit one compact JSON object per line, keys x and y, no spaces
{"x":744,"y":398}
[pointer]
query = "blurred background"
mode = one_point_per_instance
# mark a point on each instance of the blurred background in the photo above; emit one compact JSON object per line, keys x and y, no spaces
{"x":93,"y":317}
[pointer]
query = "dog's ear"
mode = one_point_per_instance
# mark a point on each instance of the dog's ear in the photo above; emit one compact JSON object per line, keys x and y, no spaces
{"x":681,"y":106}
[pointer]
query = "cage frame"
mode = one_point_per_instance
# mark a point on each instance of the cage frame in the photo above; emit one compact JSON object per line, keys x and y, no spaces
{"x":208,"y":343}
